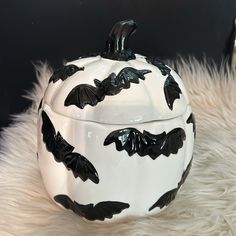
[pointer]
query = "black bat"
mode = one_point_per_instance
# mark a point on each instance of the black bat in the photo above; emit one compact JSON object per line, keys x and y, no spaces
{"x":85,"y":94}
{"x":159,"y":64}
{"x":133,"y":141}
{"x":63,"y":152}
{"x":100,"y":211}
{"x":191,"y":119}
{"x":40,"y":104}
{"x":169,"y":196}
{"x":165,"y":199}
{"x":64,"y":72}
{"x":171,"y":90}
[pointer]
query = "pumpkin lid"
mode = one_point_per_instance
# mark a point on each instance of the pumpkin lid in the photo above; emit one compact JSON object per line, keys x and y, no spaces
{"x":118,"y":86}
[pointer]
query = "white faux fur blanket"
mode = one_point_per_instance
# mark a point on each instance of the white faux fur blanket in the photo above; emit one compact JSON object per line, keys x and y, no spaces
{"x":206,"y":205}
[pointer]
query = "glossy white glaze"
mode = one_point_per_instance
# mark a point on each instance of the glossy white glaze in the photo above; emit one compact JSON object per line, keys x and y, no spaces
{"x":140,"y":103}
{"x":138,"y":181}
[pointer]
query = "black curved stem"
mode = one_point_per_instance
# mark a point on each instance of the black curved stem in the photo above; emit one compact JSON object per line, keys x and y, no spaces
{"x":116,"y":45}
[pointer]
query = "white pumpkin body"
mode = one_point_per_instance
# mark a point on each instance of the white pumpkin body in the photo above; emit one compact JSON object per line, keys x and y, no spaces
{"x":137,"y":181}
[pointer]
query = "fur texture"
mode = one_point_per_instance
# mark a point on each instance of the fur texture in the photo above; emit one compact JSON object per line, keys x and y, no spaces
{"x":205,"y":205}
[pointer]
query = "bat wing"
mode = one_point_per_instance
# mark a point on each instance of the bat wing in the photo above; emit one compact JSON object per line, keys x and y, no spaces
{"x":128,"y":139}
{"x":165,"y":70}
{"x":100,"y":211}
{"x":164,"y":143}
{"x":185,"y":173}
{"x":64,"y":200}
{"x":130,"y":75}
{"x":81,"y":167}
{"x":173,"y":141}
{"x":165,"y":199}
{"x":64,"y":72}
{"x":40,"y":104}
{"x":62,"y":148}
{"x":84,"y":94}
{"x":191,"y":119}
{"x":48,"y":132}
{"x":55,"y":76}
{"x":171,"y":90}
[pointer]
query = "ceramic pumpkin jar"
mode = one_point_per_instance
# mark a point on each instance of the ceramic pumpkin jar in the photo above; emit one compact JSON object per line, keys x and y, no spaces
{"x":115,"y":133}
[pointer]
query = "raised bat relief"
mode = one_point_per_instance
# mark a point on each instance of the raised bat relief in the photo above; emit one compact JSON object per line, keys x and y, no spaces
{"x":85,"y":94}
{"x":100,"y":211}
{"x":64,"y":72}
{"x":133,"y":141}
{"x":63,"y":152}
{"x":171,"y":87}
{"x":171,"y":90}
{"x":191,"y":120}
